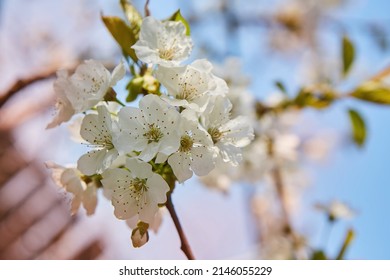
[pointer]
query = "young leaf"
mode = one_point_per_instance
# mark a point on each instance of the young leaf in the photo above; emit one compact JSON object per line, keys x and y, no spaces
{"x":281,"y":86}
{"x":373,"y":91}
{"x":358,"y":127}
{"x":319,"y":255}
{"x":347,"y":241}
{"x":122,"y":33}
{"x":178,"y":17}
{"x":132,"y":14}
{"x":348,"y":55}
{"x":134,"y":87}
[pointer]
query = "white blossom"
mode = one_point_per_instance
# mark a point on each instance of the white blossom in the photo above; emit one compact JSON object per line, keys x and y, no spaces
{"x":162,"y":43}
{"x":97,"y":130}
{"x":336,"y":210}
{"x":135,"y":190}
{"x":231,"y":72}
{"x":72,"y":181}
{"x":228,"y":136}
{"x":190,"y":86}
{"x":84,"y":89}
{"x":195,"y":153}
{"x":64,"y":107}
{"x":149,"y":129}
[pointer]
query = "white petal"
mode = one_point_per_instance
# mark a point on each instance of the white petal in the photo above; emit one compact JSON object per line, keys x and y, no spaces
{"x":240,"y":130}
{"x":72,"y":182}
{"x":91,"y":162}
{"x":161,"y":158}
{"x":180,"y":164}
{"x":158,"y":188}
{"x":90,"y":199}
{"x":139,"y":169}
{"x":149,"y":152}
{"x":117,"y":74}
{"x":230,"y":153}
{"x":57,"y":171}
{"x":218,"y":112}
{"x":170,"y":144}
{"x":117,"y":181}
{"x":202,"y":161}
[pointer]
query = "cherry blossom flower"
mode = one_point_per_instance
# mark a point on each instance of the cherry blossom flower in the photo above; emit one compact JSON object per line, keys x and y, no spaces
{"x":84,"y":89}
{"x":162,"y":43}
{"x":73,"y":181}
{"x":336,"y":210}
{"x":228,"y":136}
{"x":135,"y":190}
{"x":149,"y":129}
{"x":190,"y":86}
{"x":195,"y":153}
{"x":97,"y":130}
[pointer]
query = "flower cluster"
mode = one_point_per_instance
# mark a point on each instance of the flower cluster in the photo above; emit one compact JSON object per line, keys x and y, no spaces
{"x":138,"y":153}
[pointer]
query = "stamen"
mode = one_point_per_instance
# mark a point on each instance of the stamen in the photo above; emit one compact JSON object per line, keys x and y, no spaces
{"x":186,"y":143}
{"x":154,"y":134}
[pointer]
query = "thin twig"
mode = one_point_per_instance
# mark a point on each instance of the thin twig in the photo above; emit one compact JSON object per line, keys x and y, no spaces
{"x":278,"y":180}
{"x":185,"y":246}
{"x":147,"y":11}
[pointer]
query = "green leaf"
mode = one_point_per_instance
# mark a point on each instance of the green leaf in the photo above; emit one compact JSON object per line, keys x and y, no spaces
{"x":318,"y":100}
{"x":122,"y":33}
{"x":134,"y":87}
{"x":319,"y":255}
{"x":132,"y":15}
{"x":178,"y":17}
{"x":281,"y":86}
{"x":348,"y":54}
{"x":347,"y":241}
{"x":358,"y":127}
{"x":373,"y":91}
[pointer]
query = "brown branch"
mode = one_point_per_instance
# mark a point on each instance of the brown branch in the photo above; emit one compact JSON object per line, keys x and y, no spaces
{"x":147,"y":11}
{"x":23,"y":83}
{"x":278,"y":180}
{"x":185,"y":246}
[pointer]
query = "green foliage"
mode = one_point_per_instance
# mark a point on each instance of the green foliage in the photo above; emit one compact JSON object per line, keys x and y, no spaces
{"x":145,"y":84}
{"x":134,"y":88}
{"x":178,"y":17}
{"x":373,"y":91}
{"x":348,"y":55}
{"x":133,"y":16}
{"x":320,"y":100}
{"x":122,"y":33}
{"x":319,"y":255}
{"x":359,"y":132}
{"x":281,"y":87}
{"x":347,"y":241}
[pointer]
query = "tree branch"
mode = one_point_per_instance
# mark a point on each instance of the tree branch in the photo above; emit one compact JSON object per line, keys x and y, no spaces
{"x":147,"y":11}
{"x":23,"y":83}
{"x":278,"y":180}
{"x":185,"y":246}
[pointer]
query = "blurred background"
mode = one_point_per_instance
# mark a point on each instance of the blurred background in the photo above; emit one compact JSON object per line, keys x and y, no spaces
{"x":296,"y":42}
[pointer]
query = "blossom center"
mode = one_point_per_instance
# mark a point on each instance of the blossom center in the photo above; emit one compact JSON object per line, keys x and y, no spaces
{"x":187,"y":92}
{"x":105,"y":141}
{"x":138,"y":186}
{"x":167,"y":54}
{"x":186,"y":143}
{"x":215,"y":134}
{"x":154,"y":134}
{"x":167,"y":49}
